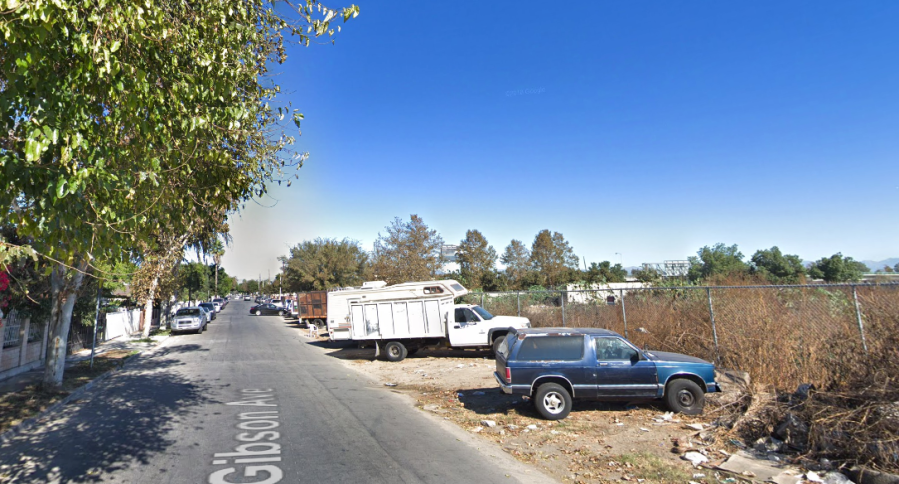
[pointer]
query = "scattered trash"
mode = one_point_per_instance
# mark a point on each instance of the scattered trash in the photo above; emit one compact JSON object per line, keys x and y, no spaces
{"x":620,"y":424}
{"x":390,"y":384}
{"x":532,"y":427}
{"x":813,"y":476}
{"x":698,"y":476}
{"x":488,"y":423}
{"x":460,"y":366}
{"x":762,"y":469}
{"x":478,"y":393}
{"x":695,"y":426}
{"x":737,"y":443}
{"x":645,"y":430}
{"x":695,"y":458}
{"x":512,"y":427}
{"x":477,"y":429}
{"x":555,"y":432}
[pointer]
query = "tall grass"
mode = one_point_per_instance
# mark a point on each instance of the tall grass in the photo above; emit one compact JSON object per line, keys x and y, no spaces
{"x":783,"y":336}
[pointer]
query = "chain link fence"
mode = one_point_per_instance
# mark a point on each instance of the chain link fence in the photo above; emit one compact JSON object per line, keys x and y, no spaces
{"x":781,"y":335}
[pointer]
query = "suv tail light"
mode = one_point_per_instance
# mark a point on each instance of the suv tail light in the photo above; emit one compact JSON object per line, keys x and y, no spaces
{"x":508,"y":375}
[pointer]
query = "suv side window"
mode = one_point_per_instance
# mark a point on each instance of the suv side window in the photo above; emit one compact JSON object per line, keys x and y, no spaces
{"x":543,"y":348}
{"x":613,"y":349}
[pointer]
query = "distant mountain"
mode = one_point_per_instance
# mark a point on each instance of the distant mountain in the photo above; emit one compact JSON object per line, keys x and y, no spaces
{"x":878,"y":265}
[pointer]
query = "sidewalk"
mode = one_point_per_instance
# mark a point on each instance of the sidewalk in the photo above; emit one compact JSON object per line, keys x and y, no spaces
{"x":126,"y":344}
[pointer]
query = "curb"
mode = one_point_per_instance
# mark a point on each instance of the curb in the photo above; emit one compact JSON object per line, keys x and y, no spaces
{"x":28,"y":423}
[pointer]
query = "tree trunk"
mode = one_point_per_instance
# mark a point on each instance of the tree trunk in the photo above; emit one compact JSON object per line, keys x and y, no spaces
{"x":216,"y":278}
{"x":148,"y":308}
{"x":64,"y":285}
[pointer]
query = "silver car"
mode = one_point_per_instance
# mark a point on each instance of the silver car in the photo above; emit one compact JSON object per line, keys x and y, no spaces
{"x":192,"y":318}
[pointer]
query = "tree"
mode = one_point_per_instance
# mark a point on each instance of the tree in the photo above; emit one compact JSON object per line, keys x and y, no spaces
{"x":194,"y":278}
{"x":552,"y":258}
{"x":123,"y":121}
{"x":321,"y":264}
{"x":778,"y":268}
{"x":410,"y":251}
{"x":605,"y":272}
{"x":647,"y":275}
{"x":477,"y":259}
{"x":715,"y":262}
{"x":517,"y":259}
{"x":837,"y":268}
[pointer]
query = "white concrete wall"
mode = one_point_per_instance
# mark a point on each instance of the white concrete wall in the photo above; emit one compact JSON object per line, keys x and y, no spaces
{"x":122,"y":323}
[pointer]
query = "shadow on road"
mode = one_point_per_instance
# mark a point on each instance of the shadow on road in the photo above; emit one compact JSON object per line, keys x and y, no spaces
{"x":349,"y":350}
{"x":120,"y":422}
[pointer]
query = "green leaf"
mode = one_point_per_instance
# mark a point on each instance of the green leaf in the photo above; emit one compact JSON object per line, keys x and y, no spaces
{"x":115,"y":46}
{"x":61,"y":191}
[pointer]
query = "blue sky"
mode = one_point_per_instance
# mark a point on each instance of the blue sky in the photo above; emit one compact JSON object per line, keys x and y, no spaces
{"x":641,"y":131}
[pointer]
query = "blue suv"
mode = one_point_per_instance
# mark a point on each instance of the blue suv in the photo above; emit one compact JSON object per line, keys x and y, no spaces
{"x":555,"y":365}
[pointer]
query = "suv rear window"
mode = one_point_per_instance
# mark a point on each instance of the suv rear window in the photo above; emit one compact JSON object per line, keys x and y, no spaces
{"x":188,"y":312}
{"x":542,"y":348}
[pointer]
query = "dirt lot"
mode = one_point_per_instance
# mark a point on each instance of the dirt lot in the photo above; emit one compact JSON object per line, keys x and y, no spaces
{"x":598,"y":442}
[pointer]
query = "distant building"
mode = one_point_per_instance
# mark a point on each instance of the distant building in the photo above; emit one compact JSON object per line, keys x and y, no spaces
{"x":450,"y":255}
{"x":609,"y":292}
{"x":669,"y":268}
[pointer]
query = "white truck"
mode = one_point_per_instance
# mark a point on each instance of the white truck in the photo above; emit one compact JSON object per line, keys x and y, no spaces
{"x":401,"y":319}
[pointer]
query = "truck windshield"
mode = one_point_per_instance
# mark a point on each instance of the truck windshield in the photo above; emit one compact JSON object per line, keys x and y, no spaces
{"x":483,"y":313}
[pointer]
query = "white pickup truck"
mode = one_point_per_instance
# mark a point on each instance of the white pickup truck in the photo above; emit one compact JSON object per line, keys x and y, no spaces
{"x":401,"y":319}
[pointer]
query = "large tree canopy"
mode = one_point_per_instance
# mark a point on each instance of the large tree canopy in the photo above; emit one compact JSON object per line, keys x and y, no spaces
{"x":324,"y":263}
{"x":552,"y":258}
{"x":778,"y":268}
{"x":837,"y":268}
{"x":409,"y":251}
{"x":718,"y":260}
{"x":121,"y":121}
{"x":477,"y":259}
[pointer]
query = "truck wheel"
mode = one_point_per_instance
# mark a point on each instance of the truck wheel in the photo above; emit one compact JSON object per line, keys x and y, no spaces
{"x":496,"y":344}
{"x":684,"y":396}
{"x":395,"y":351}
{"x":318,"y":323}
{"x":552,"y":401}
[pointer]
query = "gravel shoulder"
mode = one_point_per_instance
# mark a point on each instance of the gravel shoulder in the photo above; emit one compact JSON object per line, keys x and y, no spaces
{"x":598,"y":442}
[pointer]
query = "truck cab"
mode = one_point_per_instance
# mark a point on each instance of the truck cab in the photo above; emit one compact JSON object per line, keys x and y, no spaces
{"x":475,"y":326}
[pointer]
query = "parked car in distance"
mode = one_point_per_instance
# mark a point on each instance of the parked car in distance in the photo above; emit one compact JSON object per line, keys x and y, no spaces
{"x":191,"y":318}
{"x":210,"y":309}
{"x":218,"y":307}
{"x":221,"y":301}
{"x":267,"y":309}
{"x":556,"y":365}
{"x":247,"y":298}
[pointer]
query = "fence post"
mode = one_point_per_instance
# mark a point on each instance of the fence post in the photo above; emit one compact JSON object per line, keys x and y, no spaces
{"x":623,"y":311}
{"x":708,"y":291}
{"x":858,"y":317}
{"x":23,"y":341}
{"x":518,"y":297}
{"x":3,"y":323}
{"x":562,"y":300}
{"x":46,"y":339}
{"x":482,"y":299}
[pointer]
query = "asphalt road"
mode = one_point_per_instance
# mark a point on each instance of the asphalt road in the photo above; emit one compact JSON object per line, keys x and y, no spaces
{"x":249,"y":400}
